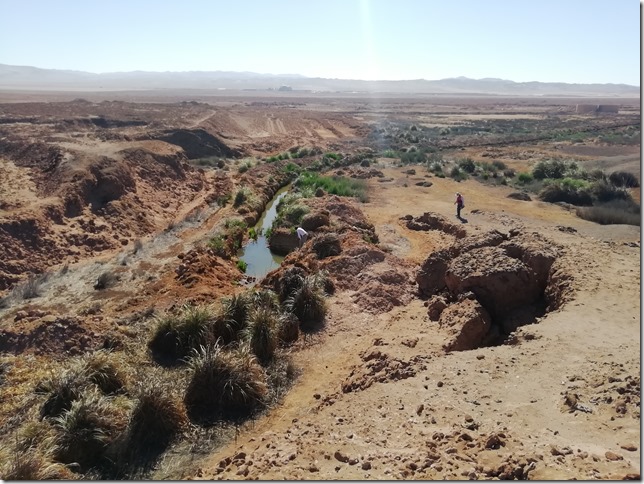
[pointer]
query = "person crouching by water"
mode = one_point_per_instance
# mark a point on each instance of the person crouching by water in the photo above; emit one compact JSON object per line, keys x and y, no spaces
{"x":460,"y":204}
{"x":302,"y":235}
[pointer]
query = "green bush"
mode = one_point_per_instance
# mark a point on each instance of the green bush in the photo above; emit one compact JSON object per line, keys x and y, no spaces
{"x":549,"y":169}
{"x":242,"y":265}
{"x":559,"y":192}
{"x":525,"y":178}
{"x":218,"y":245}
{"x":335,"y":185}
{"x":457,"y":174}
{"x":499,"y":165}
{"x":467,"y":165}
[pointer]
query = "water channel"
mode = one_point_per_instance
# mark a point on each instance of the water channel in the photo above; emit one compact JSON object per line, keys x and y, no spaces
{"x":258,"y":257}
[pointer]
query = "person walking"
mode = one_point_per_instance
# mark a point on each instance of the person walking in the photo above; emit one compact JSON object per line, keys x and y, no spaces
{"x":302,"y":235}
{"x":460,"y":204}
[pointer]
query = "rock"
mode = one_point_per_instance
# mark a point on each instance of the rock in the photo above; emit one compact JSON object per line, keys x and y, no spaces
{"x":629,"y":447}
{"x":520,"y":196}
{"x":612,"y":456}
{"x":431,"y":276}
{"x":501,"y":283}
{"x":313,"y":468}
{"x":282,"y":241}
{"x":419,"y":409}
{"x":341,"y":456}
{"x":327,"y":245}
{"x":315,"y":220}
{"x":435,"y":307}
{"x":467,"y":323}
{"x":366,"y":465}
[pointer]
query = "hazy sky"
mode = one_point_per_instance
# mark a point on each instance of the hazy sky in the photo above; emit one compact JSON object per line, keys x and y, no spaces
{"x":578,"y":41}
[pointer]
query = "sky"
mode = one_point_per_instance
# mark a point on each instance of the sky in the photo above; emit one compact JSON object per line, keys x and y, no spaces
{"x":572,"y":41}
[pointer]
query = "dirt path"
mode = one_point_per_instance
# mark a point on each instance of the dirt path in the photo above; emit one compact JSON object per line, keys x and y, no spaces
{"x":415,"y":412}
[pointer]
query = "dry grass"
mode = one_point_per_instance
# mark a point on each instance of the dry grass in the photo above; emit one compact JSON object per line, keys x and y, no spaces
{"x":262,"y":333}
{"x":224,"y":384}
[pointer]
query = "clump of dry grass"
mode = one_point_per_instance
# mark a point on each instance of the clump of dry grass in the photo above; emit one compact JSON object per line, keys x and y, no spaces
{"x":308,"y":303}
{"x":31,"y":464}
{"x":262,"y":333}
{"x":85,"y":431}
{"x":288,"y":328}
{"x":100,"y":369}
{"x":157,"y":417}
{"x":176,"y":335}
{"x":224,"y":383}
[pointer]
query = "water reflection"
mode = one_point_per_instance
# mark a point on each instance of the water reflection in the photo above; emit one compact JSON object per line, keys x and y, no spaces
{"x":258,"y":257}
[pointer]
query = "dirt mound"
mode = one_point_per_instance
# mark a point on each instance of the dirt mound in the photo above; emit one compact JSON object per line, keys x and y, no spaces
{"x":50,"y":335}
{"x":434,"y":221}
{"x":198,"y":143}
{"x":510,"y":277}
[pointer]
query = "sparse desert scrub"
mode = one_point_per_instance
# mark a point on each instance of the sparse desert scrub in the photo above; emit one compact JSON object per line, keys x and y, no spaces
{"x":224,"y":383}
{"x":624,"y":179}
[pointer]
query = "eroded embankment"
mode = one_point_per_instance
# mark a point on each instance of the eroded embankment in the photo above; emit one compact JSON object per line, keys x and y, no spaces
{"x":484,"y":286}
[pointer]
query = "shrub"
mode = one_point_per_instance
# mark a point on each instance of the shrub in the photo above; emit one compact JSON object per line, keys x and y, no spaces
{"x":242,"y":265}
{"x":623,"y":179}
{"x":467,"y":165}
{"x":218,"y":245}
{"x":605,"y":192}
{"x":499,"y":165}
{"x":288,"y":329}
{"x":307,"y":302}
{"x":613,"y":212}
{"x":32,"y":287}
{"x":292,"y":278}
{"x":549,"y":169}
{"x":559,"y":192}
{"x":264,"y":298}
{"x":435,"y":167}
{"x":234,"y":316}
{"x":457,"y":174}
{"x":102,"y":369}
{"x":224,"y":383}
{"x":261,"y":333}
{"x":525,"y":178}
{"x":242,"y":195}
{"x":62,"y":390}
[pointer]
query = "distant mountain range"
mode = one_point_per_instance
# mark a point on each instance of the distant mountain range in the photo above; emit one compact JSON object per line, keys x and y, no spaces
{"x":33,"y":78}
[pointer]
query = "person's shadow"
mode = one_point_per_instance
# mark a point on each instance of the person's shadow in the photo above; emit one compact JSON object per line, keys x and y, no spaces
{"x":463,"y":220}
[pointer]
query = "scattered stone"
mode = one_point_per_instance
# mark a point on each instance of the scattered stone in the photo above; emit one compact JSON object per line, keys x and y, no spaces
{"x":629,"y":447}
{"x":612,"y":456}
{"x":366,"y":465}
{"x":419,"y":409}
{"x":341,"y":456}
{"x":313,"y":468}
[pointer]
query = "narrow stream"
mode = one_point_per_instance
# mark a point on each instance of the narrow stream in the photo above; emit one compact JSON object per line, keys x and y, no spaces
{"x":256,"y":254}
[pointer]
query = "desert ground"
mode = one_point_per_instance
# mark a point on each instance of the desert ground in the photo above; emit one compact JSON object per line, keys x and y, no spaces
{"x":107,"y":204}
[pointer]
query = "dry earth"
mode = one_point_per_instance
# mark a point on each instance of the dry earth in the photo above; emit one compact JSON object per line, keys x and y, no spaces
{"x":94,"y":186}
